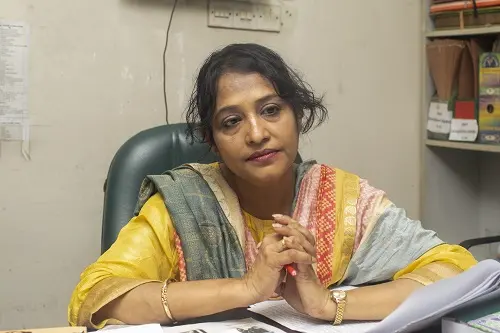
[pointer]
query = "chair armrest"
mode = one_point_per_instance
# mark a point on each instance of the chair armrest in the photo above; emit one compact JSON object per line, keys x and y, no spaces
{"x":479,"y":241}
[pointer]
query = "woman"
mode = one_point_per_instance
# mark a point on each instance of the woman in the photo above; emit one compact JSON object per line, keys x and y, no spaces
{"x":209,"y":238}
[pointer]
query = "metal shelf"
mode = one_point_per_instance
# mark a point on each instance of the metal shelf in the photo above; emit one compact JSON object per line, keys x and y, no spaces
{"x":463,"y":146}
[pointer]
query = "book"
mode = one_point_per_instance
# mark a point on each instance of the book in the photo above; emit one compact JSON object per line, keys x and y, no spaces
{"x":453,"y":325}
{"x":484,"y":317}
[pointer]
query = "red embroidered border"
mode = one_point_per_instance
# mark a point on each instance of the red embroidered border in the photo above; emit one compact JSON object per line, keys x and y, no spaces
{"x":325,"y":227}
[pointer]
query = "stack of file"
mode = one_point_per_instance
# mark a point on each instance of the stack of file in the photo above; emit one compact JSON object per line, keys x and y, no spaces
{"x":482,"y":318}
{"x":474,"y":287}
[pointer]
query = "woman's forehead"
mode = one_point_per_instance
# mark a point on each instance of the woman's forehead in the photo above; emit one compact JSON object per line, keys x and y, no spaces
{"x":233,"y":87}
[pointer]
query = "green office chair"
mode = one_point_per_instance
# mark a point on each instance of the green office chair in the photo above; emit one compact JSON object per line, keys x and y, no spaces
{"x":480,"y":241}
{"x":149,"y":152}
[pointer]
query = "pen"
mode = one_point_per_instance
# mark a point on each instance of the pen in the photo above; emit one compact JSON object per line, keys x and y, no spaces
{"x":291,"y":270}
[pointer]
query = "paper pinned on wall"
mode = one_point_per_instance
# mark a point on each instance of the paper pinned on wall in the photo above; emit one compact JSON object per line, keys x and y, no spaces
{"x":14,"y":117}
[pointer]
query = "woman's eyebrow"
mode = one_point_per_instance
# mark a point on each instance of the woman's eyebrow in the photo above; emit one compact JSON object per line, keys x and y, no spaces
{"x":232,"y":108}
{"x":266,"y":99}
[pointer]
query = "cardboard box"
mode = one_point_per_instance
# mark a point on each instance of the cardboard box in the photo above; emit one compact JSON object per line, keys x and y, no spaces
{"x":489,"y":98}
{"x":489,"y":119}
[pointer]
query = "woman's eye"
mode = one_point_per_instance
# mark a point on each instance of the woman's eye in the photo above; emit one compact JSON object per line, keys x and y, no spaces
{"x":271,"y":110}
{"x":230,"y":122}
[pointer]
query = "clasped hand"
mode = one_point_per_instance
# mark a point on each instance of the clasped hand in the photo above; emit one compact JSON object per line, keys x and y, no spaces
{"x":291,"y":244}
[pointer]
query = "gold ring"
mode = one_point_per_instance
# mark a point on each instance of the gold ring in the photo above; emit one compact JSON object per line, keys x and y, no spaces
{"x":283,"y":243}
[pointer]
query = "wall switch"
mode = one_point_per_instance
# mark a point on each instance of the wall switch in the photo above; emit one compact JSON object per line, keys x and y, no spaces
{"x":244,"y":15}
{"x":220,"y":14}
{"x":269,"y":18}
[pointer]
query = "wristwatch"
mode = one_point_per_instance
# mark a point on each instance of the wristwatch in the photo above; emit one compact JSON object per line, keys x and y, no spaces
{"x":340,"y":298}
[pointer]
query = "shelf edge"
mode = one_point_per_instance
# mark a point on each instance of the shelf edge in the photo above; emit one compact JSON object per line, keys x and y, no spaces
{"x":463,"y":146}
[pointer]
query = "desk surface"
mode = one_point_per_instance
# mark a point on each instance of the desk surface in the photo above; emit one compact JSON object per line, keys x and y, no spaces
{"x":244,"y":313}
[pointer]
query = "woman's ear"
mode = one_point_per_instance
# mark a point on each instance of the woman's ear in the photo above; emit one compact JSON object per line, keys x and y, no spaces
{"x":299,"y":126}
{"x":214,"y":149}
{"x":299,"y":117}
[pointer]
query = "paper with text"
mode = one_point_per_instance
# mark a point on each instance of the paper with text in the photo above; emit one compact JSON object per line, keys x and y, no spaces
{"x":464,"y":130}
{"x":439,"y":118}
{"x":247,"y":325}
{"x":148,"y":328}
{"x":14,"y":120}
{"x":282,"y":313}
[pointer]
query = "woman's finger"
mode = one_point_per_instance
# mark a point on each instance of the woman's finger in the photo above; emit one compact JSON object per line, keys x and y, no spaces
{"x":288,"y":232}
{"x":277,"y":244}
{"x":269,"y":239}
{"x":298,"y":238}
{"x":293,"y":243}
{"x":284,"y":220}
{"x":291,"y":256}
{"x":273,"y":244}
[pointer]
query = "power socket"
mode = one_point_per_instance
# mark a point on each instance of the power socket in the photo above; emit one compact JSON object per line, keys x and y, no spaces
{"x":244,"y":15}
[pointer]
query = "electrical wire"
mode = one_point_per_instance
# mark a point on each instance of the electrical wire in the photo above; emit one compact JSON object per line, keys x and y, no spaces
{"x":474,"y":5}
{"x":165,"y":61}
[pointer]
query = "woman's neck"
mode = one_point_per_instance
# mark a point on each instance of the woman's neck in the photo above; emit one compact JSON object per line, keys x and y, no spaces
{"x":263,"y":201}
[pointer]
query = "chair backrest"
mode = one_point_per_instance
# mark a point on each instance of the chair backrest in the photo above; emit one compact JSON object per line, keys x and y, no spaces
{"x":150,"y":152}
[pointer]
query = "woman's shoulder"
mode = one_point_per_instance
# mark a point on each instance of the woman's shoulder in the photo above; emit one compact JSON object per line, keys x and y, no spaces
{"x":346,"y":182}
{"x":338,"y":172}
{"x":153,"y":205}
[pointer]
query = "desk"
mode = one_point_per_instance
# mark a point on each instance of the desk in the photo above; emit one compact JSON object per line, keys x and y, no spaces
{"x":244,"y":313}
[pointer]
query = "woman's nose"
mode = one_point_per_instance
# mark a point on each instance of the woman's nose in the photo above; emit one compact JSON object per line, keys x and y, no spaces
{"x":257,"y":132}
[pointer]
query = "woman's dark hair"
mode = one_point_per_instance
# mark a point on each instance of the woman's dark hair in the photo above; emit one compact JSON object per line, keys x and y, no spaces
{"x":250,"y":58}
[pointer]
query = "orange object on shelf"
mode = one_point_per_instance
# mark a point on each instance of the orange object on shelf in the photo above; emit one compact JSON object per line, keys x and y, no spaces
{"x":461,"y":5}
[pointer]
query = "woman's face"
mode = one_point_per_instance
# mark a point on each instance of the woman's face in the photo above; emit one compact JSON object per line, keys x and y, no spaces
{"x":254,"y":130}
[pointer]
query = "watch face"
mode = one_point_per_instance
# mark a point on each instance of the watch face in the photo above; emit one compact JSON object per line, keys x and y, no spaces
{"x":339,"y":294}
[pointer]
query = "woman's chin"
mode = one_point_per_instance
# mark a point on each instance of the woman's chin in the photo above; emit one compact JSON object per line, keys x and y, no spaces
{"x":266,"y":178}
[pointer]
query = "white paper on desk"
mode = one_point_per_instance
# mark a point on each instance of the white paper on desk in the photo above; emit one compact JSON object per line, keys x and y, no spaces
{"x":148,"y":328}
{"x":429,"y":304}
{"x":282,"y":313}
{"x":247,"y":325}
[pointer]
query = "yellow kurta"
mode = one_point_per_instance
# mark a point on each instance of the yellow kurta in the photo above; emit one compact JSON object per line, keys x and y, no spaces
{"x":145,"y":252}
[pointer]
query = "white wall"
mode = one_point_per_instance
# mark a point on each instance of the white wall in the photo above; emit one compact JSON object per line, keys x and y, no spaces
{"x":95,"y":80}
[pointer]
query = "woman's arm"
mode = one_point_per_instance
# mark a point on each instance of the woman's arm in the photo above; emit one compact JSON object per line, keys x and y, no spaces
{"x":371,"y":302}
{"x":378,"y":301}
{"x":125,"y":283}
{"x":142,"y":254}
{"x":194,"y":299}
{"x":306,"y":294}
{"x":185,"y":299}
